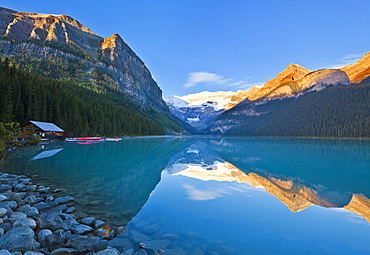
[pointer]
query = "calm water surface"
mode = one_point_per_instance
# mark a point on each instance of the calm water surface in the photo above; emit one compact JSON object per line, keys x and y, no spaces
{"x":230,"y":196}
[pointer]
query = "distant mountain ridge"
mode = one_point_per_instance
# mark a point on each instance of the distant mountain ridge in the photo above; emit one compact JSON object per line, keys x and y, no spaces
{"x":200,"y":109}
{"x":292,"y":82}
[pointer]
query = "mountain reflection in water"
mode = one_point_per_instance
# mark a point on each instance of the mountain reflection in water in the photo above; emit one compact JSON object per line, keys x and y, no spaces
{"x":178,"y":182}
{"x":295,"y":192}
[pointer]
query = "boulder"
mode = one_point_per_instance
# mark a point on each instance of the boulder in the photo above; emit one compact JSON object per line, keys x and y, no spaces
{"x":20,"y":187}
{"x":99,"y":224}
{"x":81,"y":229}
{"x":70,"y":210}
{"x":43,"y":234}
{"x":65,"y":251}
{"x":121,"y":243}
{"x":53,"y":242}
{"x":31,"y":212}
{"x":25,"y":222}
{"x":84,"y":243}
{"x":3,"y":212}
{"x":64,"y":200}
{"x":19,"y":239}
{"x":16,"y":215}
{"x":11,"y":204}
{"x":30,"y":199}
{"x":88,"y":221}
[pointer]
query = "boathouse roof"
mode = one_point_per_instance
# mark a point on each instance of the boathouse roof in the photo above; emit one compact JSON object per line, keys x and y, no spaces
{"x":46,"y":126}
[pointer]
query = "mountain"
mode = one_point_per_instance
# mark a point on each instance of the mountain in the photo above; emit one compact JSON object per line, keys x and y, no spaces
{"x":291,"y":73}
{"x":359,"y":71}
{"x":295,"y":80}
{"x":336,"y":111}
{"x":59,"y":47}
{"x":259,"y":102}
{"x":201,"y":109}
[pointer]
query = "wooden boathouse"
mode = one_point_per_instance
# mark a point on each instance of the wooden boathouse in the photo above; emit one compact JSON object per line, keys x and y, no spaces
{"x":44,"y":130}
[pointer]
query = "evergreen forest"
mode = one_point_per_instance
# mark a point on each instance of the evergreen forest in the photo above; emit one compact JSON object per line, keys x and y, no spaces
{"x":76,"y":109}
{"x":336,"y":111}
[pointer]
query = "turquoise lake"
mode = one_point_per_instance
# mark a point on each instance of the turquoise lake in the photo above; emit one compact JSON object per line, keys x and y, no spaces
{"x":216,"y":195}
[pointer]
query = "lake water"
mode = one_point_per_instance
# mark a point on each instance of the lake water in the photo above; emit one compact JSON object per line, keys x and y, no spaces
{"x":217,"y":195}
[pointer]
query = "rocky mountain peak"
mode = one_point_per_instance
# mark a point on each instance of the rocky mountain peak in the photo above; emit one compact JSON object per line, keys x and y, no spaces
{"x":113,"y":42}
{"x":360,"y":70}
{"x":42,"y":36}
{"x":26,"y":25}
{"x":291,"y":73}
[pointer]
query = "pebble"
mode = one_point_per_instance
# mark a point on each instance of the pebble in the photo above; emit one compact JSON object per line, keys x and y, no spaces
{"x":30,"y":199}
{"x":99,"y":224}
{"x":70,"y":210}
{"x":31,"y":212}
{"x":11,"y":204}
{"x":81,"y":229}
{"x":88,"y":221}
{"x":64,"y":200}
{"x":3,"y":198}
{"x":3,"y":212}
{"x":43,"y":234}
{"x":25,"y":222}
{"x":15,"y":216}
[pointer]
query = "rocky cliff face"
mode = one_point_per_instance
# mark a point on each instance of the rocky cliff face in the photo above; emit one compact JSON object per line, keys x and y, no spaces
{"x":62,"y":39}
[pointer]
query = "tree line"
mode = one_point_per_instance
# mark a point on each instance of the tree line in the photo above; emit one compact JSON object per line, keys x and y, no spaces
{"x":77,"y":109}
{"x":337,"y":111}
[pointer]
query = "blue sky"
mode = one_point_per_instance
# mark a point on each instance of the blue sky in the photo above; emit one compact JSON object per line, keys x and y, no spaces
{"x":195,"y":45}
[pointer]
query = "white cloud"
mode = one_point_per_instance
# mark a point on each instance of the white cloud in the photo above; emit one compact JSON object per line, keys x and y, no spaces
{"x":203,"y":195}
{"x":347,"y":60}
{"x":204,"y":77}
{"x":215,"y":79}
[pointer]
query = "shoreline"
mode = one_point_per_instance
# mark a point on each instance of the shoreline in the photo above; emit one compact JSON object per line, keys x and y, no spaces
{"x":36,"y":220}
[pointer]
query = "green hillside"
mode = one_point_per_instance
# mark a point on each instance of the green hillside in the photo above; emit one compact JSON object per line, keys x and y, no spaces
{"x":340,"y":111}
{"x":82,"y":109}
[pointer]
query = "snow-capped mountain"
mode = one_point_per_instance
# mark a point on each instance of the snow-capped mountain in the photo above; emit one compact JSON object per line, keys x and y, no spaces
{"x":200,"y":109}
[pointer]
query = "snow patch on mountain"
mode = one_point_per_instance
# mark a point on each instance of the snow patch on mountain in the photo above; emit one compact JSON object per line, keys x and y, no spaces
{"x":218,"y":100}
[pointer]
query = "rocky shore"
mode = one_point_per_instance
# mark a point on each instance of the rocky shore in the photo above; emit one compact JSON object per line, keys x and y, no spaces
{"x":36,"y":220}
